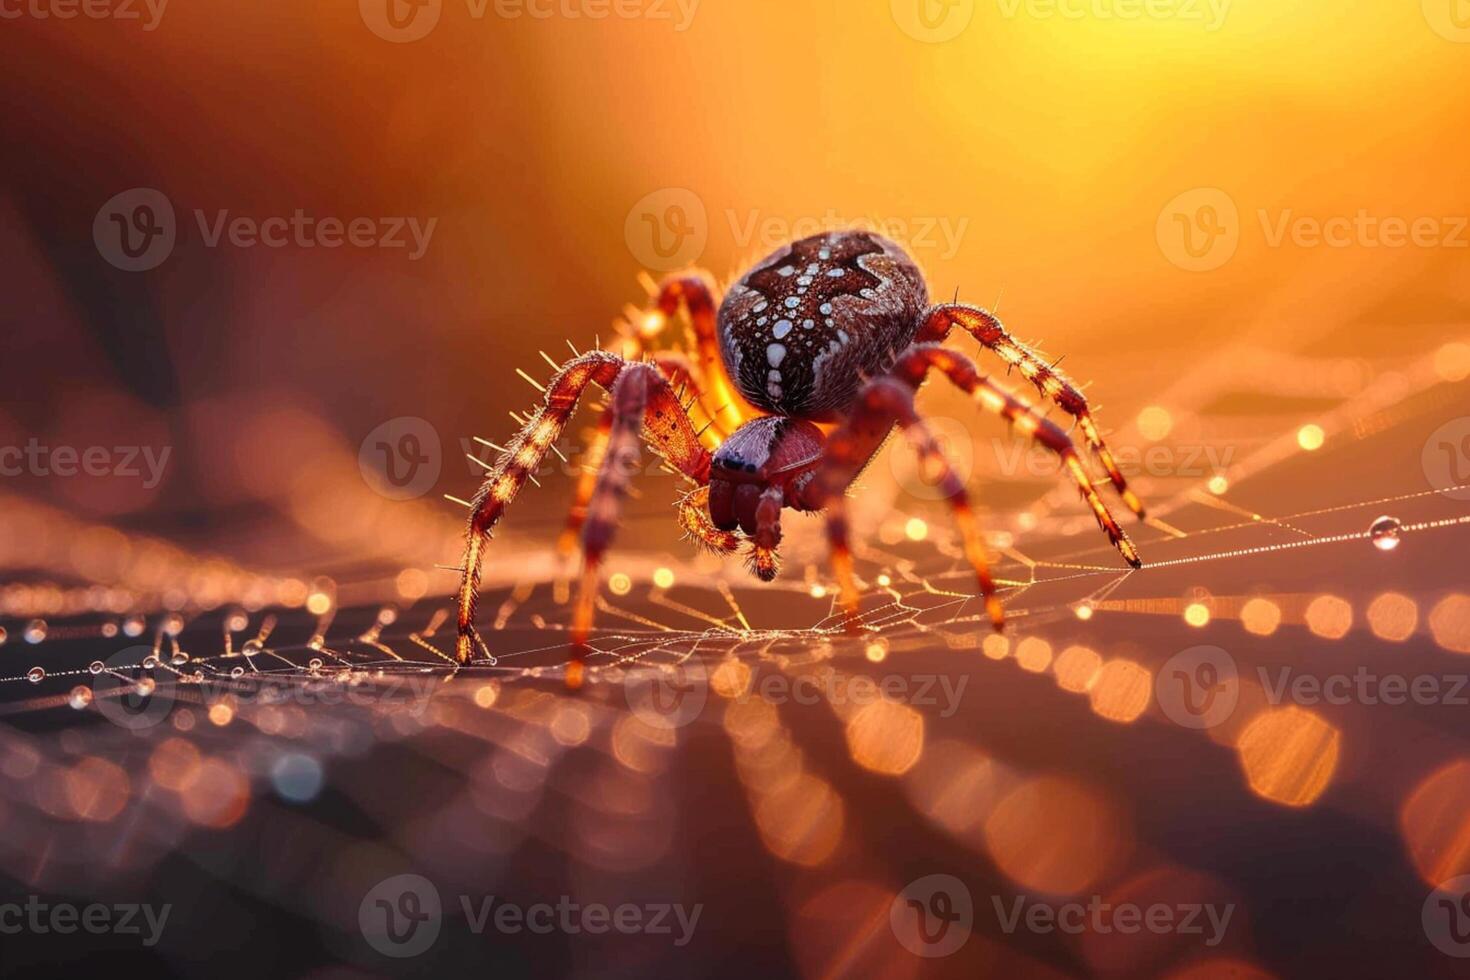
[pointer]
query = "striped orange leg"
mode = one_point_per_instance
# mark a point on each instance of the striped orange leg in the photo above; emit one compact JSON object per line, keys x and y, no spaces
{"x":642,"y":404}
{"x":914,"y":365}
{"x":723,"y":403}
{"x":667,"y":429}
{"x":594,"y":454}
{"x":678,"y":370}
{"x":764,"y":560}
{"x":694,"y":518}
{"x":882,"y":402}
{"x":1051,"y":382}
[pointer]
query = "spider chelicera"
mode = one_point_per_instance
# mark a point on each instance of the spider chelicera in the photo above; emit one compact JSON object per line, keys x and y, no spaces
{"x":834,"y":329}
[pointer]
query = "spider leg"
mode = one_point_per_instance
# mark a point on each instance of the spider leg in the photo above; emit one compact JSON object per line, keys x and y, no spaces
{"x":916,"y":362}
{"x":763,"y":557}
{"x":631,"y":395}
{"x":1051,"y":382}
{"x":594,"y":453}
{"x":695,"y":520}
{"x":882,"y":402}
{"x":725,"y":406}
{"x":666,"y":427}
{"x":890,"y":398}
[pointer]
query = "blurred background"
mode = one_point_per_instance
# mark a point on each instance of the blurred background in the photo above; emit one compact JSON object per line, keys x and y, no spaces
{"x":244,"y":246}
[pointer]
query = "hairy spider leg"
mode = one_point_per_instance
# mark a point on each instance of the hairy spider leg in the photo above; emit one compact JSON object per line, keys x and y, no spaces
{"x":630,"y":398}
{"x":883,"y":402}
{"x":719,"y":397}
{"x":914,"y":365}
{"x":678,"y":370}
{"x":666,"y":427}
{"x":1052,"y":383}
{"x":889,"y":399}
{"x":595,"y":451}
{"x":764,"y":559}
{"x":694,"y":518}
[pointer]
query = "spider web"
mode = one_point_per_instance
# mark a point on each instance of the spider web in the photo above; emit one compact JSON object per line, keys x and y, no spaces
{"x":226,"y":695}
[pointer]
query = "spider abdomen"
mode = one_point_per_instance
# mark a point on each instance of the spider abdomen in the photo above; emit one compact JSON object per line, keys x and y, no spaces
{"x":801,"y":329}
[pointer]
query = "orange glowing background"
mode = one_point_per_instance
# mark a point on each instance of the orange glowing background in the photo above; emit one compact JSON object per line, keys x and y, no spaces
{"x":1155,"y":196}
{"x":1029,"y":160}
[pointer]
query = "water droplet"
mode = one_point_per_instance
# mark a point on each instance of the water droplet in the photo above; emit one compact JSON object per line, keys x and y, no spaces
{"x":179,"y":658}
{"x":315,"y":663}
{"x":149,"y":662}
{"x":174,"y":624}
{"x":1385,"y":533}
{"x":80,"y":697}
{"x":134,"y":625}
{"x":3,"y":636}
{"x":252,"y":647}
{"x":237,"y":671}
{"x":96,"y":666}
{"x":35,"y":631}
{"x":147,"y":686}
{"x":109,"y":629}
{"x":35,"y":675}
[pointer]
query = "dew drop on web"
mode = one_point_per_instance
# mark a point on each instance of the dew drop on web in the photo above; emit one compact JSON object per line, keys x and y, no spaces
{"x":1385,"y":533}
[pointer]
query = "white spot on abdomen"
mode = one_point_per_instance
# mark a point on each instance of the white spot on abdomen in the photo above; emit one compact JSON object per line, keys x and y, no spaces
{"x":775,"y":354}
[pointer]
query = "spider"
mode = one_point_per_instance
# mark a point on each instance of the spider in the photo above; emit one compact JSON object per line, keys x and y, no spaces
{"x":834,"y":330}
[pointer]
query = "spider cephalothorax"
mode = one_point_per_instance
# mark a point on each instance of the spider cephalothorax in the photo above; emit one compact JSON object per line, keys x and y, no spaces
{"x":835,"y":329}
